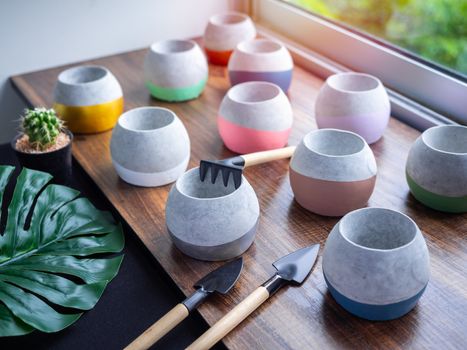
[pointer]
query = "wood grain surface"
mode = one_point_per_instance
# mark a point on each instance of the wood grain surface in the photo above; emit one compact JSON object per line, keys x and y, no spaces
{"x":303,"y":317}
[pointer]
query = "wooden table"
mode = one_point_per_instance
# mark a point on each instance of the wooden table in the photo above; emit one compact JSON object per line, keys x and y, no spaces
{"x":303,"y":317}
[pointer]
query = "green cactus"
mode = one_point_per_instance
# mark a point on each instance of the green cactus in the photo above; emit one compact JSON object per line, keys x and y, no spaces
{"x":42,"y":127}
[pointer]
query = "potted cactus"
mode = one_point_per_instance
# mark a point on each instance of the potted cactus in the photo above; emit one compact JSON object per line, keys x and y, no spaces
{"x":44,"y":144}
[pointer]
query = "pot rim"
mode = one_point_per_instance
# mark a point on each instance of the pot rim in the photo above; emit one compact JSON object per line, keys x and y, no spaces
{"x":126,"y":114}
{"x":330,"y":81}
{"x":66,"y":131}
{"x":409,"y":219}
{"x":275,"y":89}
{"x":62,"y":77}
{"x":183,"y":193}
{"x":218,"y":19}
{"x":431,"y":130}
{"x":157,"y":47}
{"x":246,"y":46}
{"x":361,"y":139}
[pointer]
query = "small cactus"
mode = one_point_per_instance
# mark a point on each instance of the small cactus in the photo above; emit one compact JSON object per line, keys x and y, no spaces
{"x":42,"y":127}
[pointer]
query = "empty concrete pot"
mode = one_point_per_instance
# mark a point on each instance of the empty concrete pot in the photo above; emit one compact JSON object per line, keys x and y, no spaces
{"x":261,"y":60}
{"x":150,"y":147}
{"x":355,"y":102}
{"x":332,"y":172}
{"x":255,"y":116}
{"x":223,"y":33}
{"x":436,"y":168}
{"x":88,"y":98}
{"x":175,"y":70}
{"x":376,"y":263}
{"x":210,"y":221}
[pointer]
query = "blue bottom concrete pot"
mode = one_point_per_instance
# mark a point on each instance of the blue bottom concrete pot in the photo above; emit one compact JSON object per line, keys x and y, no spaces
{"x":210,"y":221}
{"x":376,"y":263}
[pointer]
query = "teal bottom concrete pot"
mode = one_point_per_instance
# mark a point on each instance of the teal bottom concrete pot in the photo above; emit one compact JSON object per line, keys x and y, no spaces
{"x":376,"y":263}
{"x":436,"y":168}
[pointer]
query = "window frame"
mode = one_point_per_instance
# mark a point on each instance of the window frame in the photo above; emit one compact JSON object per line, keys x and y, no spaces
{"x":413,"y":97}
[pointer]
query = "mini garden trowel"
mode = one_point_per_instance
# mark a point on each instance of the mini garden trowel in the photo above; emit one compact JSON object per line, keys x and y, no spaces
{"x":291,"y":269}
{"x":235,"y":165}
{"x":220,"y":280}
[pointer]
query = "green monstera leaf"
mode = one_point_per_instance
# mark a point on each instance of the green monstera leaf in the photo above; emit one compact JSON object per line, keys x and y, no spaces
{"x":52,"y":263}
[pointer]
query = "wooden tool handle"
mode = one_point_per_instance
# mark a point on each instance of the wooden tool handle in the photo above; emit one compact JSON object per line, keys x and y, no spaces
{"x":222,"y":327}
{"x":160,"y":328}
{"x":267,"y":156}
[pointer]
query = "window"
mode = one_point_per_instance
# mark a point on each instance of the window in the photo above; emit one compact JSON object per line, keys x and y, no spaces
{"x":394,"y":40}
{"x":436,"y":30}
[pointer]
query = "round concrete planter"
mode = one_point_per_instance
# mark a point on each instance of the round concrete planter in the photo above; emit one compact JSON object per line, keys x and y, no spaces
{"x":224,"y":32}
{"x":255,"y":116}
{"x":210,"y":221}
{"x":175,"y":70}
{"x":355,"y":102}
{"x":150,"y":147}
{"x":261,"y":60}
{"x":376,"y":263}
{"x":332,"y":172}
{"x":436,"y":168}
{"x":88,"y":98}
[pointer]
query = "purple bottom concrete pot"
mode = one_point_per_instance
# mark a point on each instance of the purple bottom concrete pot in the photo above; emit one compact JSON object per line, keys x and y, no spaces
{"x":376,"y":263}
{"x":210,"y":221}
{"x":58,"y":163}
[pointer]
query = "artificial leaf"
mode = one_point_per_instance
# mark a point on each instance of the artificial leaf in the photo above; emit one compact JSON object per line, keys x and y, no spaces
{"x":58,"y":260}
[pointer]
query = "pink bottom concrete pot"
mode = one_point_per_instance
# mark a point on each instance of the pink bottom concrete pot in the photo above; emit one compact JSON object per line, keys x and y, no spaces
{"x":243,"y":140}
{"x":330,"y":198}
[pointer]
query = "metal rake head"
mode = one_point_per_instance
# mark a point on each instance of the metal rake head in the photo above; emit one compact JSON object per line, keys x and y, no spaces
{"x":227,"y":166}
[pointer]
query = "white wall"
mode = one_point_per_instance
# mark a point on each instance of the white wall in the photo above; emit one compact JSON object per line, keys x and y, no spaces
{"x":38,"y":34}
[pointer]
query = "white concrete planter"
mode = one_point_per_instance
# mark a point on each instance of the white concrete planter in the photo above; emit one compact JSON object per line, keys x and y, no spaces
{"x":376,"y":263}
{"x":150,"y":147}
{"x":210,"y":221}
{"x":355,"y":102}
{"x":175,"y":70}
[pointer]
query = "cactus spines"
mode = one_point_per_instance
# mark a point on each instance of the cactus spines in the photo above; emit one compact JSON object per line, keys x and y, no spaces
{"x":42,"y":127}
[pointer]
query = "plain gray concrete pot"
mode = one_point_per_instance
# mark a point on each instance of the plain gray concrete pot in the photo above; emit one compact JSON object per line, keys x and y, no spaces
{"x":210,"y":221}
{"x":150,"y":147}
{"x":436,"y":169}
{"x":376,"y":263}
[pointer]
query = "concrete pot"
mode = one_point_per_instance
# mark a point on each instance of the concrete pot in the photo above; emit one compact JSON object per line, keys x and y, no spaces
{"x":376,"y":263}
{"x":150,"y":147}
{"x":210,"y":221}
{"x":355,"y":102}
{"x":175,"y":70}
{"x":332,"y":172}
{"x":436,"y":168}
{"x":88,"y":98}
{"x":223,"y":33}
{"x":261,"y":60}
{"x":255,"y":116}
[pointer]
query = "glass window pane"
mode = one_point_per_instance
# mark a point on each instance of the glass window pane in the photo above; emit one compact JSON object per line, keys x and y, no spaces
{"x":433,"y":29}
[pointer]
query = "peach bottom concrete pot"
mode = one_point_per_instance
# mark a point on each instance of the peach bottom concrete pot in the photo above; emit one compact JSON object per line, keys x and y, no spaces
{"x":88,"y":98}
{"x":332,"y":172}
{"x":175,"y":70}
{"x":223,"y":33}
{"x":261,"y":60}
{"x":255,"y":116}
{"x":210,"y":221}
{"x":376,"y":263}
{"x":355,"y":102}
{"x":436,"y":168}
{"x":150,"y":147}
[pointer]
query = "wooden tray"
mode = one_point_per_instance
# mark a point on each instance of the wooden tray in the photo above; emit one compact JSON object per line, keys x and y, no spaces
{"x":297,"y":317}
